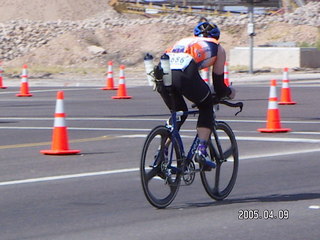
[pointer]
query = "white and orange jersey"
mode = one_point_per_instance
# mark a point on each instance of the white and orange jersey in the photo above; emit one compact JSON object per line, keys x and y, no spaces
{"x":202,"y":50}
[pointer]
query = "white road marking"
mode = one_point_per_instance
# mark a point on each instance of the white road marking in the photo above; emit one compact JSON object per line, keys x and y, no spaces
{"x":45,"y":90}
{"x":300,"y":151}
{"x":261,"y":139}
{"x":146,"y":119}
{"x":109,"y":172}
{"x":91,"y":174}
{"x":314,"y":207}
{"x":69,"y":176}
{"x":273,"y":139}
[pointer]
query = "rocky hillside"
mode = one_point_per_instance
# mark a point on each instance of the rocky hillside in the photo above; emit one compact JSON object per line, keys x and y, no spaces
{"x":86,"y":33}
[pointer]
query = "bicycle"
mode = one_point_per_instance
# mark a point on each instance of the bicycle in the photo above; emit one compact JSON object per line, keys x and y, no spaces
{"x":164,"y":163}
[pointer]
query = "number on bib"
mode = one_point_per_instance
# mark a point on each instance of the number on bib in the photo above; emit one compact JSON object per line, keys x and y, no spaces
{"x":179,"y":60}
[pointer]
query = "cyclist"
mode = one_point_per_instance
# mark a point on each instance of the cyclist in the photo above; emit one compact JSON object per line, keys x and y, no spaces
{"x":187,"y":57}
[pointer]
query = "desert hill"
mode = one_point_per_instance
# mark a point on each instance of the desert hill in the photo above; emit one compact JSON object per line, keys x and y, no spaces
{"x":88,"y":33}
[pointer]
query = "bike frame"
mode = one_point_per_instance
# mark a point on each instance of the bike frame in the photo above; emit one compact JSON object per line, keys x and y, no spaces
{"x":170,"y":169}
{"x":176,"y":137}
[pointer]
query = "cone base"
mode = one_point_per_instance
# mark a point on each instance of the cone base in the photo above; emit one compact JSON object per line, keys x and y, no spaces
{"x":273,"y":130}
{"x":24,"y":95}
{"x":109,"y":88}
{"x":121,"y":97}
{"x":286,"y":103}
{"x":59,"y":152}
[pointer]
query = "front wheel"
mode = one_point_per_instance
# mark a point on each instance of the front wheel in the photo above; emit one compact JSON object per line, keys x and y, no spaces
{"x":220,"y":181}
{"x":160,"y":177}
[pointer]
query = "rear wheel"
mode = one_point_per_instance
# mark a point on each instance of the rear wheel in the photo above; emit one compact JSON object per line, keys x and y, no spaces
{"x":160,"y":182}
{"x":220,"y":181}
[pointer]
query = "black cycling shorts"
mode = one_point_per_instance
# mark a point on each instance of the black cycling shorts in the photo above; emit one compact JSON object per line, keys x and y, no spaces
{"x":189,"y":84}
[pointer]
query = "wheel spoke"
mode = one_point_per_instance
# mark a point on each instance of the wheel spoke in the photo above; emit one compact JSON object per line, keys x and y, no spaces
{"x":158,"y":159}
{"x":228,"y":153}
{"x":217,"y":178}
{"x":151,"y":174}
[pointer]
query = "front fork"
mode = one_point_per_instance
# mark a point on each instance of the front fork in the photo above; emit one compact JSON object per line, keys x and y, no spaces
{"x":218,"y":155}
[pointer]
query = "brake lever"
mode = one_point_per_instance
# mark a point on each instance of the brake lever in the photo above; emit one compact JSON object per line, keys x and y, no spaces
{"x":229,"y":104}
{"x":240,"y":106}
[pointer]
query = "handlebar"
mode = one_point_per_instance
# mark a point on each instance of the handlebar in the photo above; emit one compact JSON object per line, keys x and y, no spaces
{"x":234,"y":105}
{"x":217,"y":100}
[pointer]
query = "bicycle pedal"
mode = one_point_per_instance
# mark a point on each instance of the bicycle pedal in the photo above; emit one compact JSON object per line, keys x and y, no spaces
{"x":175,"y":170}
{"x":206,"y":168}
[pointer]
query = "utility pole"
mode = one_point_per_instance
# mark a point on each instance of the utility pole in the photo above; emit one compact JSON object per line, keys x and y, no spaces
{"x":251,"y":34}
{"x":286,"y":4}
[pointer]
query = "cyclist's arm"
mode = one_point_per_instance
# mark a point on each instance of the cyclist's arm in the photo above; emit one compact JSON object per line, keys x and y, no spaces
{"x":220,"y":88}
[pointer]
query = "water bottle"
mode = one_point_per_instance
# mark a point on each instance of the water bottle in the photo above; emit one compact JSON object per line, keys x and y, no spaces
{"x":148,"y":63}
{"x":165,"y":64}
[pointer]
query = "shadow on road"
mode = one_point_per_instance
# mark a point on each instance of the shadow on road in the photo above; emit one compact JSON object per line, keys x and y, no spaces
{"x":269,"y":198}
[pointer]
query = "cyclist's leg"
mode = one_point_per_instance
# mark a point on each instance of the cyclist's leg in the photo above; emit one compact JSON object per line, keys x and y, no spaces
{"x":174,"y":99}
{"x":196,"y":90}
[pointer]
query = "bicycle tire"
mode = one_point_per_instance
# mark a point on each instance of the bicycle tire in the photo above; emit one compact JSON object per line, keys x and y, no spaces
{"x":160,"y":184}
{"x":220,"y":181}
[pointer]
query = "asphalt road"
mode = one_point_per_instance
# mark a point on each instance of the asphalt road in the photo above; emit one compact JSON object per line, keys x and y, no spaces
{"x":97,"y":194}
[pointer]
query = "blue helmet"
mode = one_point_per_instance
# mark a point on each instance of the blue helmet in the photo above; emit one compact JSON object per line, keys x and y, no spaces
{"x":206,"y":29}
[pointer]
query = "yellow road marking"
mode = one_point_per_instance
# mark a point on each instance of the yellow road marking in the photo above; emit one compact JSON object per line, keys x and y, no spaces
{"x":23,"y":145}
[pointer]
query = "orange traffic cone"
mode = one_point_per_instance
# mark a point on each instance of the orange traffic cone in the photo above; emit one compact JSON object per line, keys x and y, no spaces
{"x":285,"y":91}
{"x":24,"y":89}
{"x":1,"y":71}
{"x":60,"y":144}
{"x":205,"y":75}
{"x":122,"y":92}
{"x":226,"y":74}
{"x":273,"y":115}
{"x":109,"y":80}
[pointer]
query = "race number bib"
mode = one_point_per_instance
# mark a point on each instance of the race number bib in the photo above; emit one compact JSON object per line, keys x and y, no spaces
{"x":179,"y":60}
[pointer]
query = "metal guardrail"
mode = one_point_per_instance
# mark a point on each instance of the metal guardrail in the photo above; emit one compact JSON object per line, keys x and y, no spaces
{"x":159,"y":7}
{"x":168,"y":9}
{"x":211,"y":3}
{"x":162,"y":9}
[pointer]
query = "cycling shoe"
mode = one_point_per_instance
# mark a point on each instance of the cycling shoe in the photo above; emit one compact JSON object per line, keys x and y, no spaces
{"x":204,"y":160}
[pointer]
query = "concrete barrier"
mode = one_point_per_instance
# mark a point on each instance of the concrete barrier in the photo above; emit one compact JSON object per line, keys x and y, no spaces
{"x":276,"y":57}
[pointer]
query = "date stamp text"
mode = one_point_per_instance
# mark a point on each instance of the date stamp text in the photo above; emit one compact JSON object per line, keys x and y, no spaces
{"x":256,"y":214}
